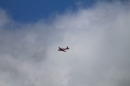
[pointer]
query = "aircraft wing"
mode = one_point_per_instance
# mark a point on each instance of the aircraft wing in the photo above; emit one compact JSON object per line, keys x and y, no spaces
{"x":60,"y":49}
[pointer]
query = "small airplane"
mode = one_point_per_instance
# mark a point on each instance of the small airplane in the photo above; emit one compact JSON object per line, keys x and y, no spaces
{"x":63,"y":49}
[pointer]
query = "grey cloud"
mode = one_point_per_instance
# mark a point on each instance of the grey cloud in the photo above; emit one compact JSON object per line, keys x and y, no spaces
{"x":99,"y":43}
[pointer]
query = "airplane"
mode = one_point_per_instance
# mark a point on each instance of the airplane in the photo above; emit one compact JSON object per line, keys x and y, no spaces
{"x":63,"y":49}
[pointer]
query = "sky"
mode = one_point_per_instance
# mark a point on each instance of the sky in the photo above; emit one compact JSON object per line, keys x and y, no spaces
{"x":97,"y":35}
{"x":33,"y":10}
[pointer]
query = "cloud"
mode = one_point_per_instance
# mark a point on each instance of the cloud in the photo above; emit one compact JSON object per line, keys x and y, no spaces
{"x":99,"y":43}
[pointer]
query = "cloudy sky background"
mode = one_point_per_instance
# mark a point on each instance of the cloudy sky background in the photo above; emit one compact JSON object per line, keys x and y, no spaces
{"x":99,"y":42}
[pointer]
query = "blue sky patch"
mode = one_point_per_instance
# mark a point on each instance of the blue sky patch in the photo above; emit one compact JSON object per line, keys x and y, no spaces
{"x":33,"y":10}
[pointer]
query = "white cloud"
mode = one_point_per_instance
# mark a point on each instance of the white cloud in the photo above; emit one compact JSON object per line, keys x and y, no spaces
{"x":99,"y":44}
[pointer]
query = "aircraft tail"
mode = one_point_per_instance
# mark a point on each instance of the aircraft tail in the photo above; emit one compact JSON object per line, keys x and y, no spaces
{"x":67,"y":47}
